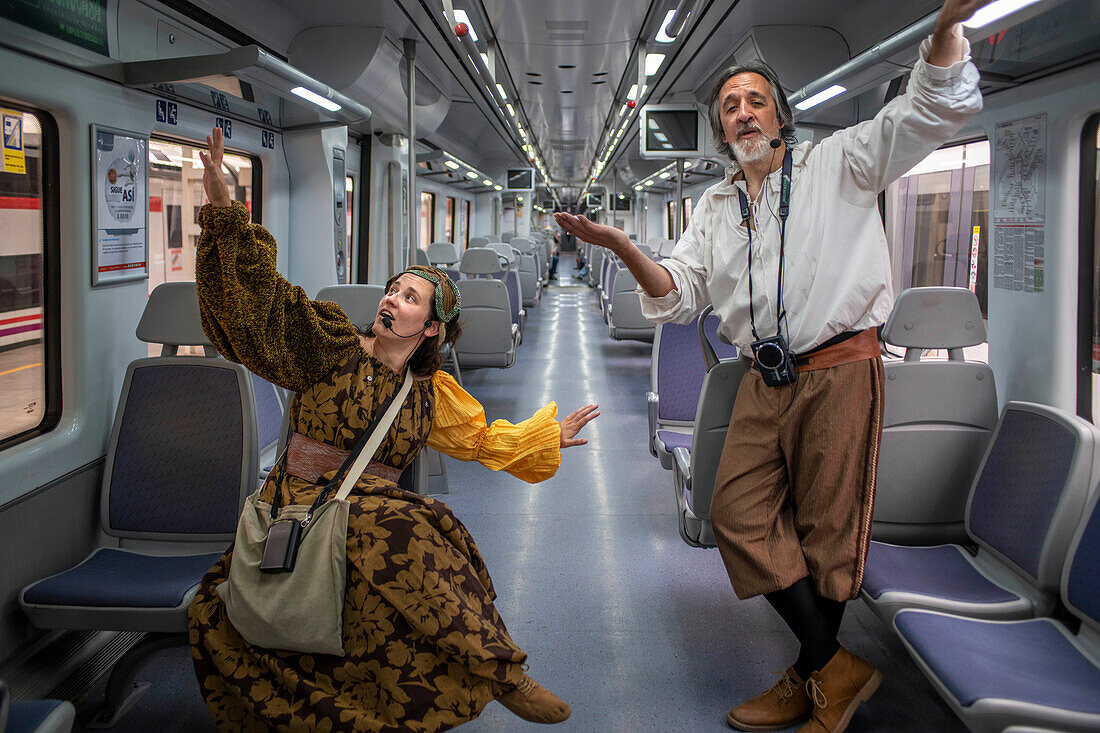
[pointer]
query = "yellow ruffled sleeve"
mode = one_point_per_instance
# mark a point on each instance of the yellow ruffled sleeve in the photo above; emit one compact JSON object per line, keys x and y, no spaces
{"x":530,"y":450}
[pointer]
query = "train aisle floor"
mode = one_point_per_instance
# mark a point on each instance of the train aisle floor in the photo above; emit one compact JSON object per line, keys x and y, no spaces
{"x":636,"y":630}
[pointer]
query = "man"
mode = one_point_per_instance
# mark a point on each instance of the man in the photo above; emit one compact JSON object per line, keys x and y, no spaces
{"x":807,"y":273}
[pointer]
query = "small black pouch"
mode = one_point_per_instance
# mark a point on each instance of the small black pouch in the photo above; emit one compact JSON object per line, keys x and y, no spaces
{"x":281,"y":547}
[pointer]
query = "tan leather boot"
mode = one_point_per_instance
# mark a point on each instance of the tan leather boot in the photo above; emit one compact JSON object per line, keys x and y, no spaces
{"x":533,"y":702}
{"x":837,"y":690}
{"x":785,"y":704}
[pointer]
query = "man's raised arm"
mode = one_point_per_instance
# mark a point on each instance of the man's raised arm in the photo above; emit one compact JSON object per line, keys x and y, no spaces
{"x":653,"y":278}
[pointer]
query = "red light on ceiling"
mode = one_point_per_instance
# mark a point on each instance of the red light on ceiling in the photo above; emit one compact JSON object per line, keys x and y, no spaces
{"x":632,"y":104}
{"x":461,"y":29}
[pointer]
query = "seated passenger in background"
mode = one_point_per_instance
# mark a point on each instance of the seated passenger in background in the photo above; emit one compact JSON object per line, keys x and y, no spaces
{"x":793,"y":496}
{"x":425,"y":647}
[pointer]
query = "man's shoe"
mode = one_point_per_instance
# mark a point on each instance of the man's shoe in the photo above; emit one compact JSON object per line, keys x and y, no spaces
{"x":785,"y":704}
{"x":837,"y":690}
{"x":533,"y":702}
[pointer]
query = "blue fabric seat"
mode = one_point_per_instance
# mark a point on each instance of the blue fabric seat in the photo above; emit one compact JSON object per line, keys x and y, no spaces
{"x":943,"y":572}
{"x":112,"y":577}
{"x":669,"y":440}
{"x":40,"y":716}
{"x":1025,"y":501}
{"x":1028,"y":673}
{"x":676,"y":378}
{"x":1030,"y":661}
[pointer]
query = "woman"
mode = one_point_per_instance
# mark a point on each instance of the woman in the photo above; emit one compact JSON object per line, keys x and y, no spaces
{"x":425,"y":649}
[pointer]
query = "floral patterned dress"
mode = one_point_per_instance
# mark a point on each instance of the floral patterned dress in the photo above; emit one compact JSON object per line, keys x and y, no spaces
{"x":425,"y":649}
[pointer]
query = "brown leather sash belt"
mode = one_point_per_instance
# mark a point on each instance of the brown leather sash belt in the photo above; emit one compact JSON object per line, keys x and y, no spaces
{"x":311,"y":459}
{"x":858,"y":346}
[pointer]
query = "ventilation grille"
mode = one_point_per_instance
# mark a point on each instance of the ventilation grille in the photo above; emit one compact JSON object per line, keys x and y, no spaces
{"x":566,"y":30}
{"x":568,"y":144}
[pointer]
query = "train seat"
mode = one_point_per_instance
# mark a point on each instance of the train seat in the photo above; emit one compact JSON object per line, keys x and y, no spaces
{"x":610,"y":267}
{"x":181,"y":458}
{"x":491,"y":336}
{"x":270,"y":406}
{"x":676,"y":377}
{"x":1026,"y":500}
{"x":422,"y":257}
{"x":477,"y":242}
{"x":507,"y":236}
{"x":938,"y":418}
{"x":441,"y":254}
{"x":624,"y":310}
{"x":595,"y":265}
{"x":694,"y":469}
{"x":509,"y":275}
{"x":664,"y":249}
{"x":1034,"y":674}
{"x":34,"y":716}
{"x":530,"y":270}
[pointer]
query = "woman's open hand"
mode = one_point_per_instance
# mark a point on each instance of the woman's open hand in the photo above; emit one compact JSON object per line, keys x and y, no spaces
{"x":574,"y":421}
{"x":212,"y":178}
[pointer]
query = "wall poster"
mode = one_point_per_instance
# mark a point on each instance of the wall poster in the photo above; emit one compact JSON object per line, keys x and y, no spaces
{"x":120,"y":211}
{"x":1019,"y":204}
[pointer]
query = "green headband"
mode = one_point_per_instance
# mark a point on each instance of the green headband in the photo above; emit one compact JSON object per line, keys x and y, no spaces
{"x":431,"y":277}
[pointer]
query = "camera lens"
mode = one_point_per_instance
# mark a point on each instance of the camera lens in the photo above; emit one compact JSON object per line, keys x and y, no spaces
{"x":770,"y":356}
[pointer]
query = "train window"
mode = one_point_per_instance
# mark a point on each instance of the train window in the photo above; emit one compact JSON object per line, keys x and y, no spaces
{"x":427,"y":219}
{"x":175,"y":197}
{"x":349,"y":198}
{"x":449,"y":221}
{"x":937,"y":223}
{"x":465,"y":223}
{"x":30,"y":399}
{"x":670,"y":219}
{"x":687,"y":215}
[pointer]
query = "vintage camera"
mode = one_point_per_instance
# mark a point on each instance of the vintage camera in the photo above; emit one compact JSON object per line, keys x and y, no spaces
{"x":774,"y":361}
{"x":281,"y":547}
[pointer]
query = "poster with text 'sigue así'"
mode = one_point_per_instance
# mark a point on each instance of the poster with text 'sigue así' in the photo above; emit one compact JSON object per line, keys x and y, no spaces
{"x":120,"y":211}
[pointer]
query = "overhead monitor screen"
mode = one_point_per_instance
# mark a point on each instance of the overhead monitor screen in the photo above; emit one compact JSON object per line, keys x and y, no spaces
{"x":620,"y":203}
{"x":520,"y":179}
{"x":671,"y":131}
{"x":593,"y":200}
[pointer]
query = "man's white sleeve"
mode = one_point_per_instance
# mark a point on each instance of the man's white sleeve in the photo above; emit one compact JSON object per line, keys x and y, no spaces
{"x":936,"y":104}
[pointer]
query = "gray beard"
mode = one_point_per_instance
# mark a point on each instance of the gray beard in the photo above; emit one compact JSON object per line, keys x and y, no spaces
{"x":750,"y":151}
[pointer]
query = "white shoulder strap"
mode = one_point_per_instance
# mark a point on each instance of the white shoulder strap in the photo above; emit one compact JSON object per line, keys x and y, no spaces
{"x":367,"y":454}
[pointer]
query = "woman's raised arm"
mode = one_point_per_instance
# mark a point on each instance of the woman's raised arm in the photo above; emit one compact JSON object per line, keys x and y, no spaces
{"x":250,"y":312}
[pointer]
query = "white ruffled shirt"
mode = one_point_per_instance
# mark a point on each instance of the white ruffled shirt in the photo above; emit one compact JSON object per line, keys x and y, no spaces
{"x":836,"y":277}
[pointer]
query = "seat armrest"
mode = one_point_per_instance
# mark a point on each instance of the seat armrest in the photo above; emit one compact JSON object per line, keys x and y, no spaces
{"x":653,"y":401}
{"x":682,"y":457}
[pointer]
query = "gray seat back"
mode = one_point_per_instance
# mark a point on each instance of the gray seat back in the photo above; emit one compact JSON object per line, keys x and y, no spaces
{"x":624,"y":313}
{"x":938,"y":418}
{"x":478,"y":241}
{"x":442,"y":253}
{"x":480,"y":262}
{"x":489,"y":337}
{"x":507,"y":236}
{"x":505,"y":251}
{"x":183,"y":450}
{"x":359,"y":302}
{"x":422,"y":257}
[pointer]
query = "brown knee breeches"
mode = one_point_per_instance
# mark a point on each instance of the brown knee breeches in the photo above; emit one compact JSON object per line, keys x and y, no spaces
{"x":795,"y":486}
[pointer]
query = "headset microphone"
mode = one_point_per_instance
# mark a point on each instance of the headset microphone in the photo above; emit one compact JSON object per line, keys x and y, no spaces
{"x":775,"y":143}
{"x":388,"y":323}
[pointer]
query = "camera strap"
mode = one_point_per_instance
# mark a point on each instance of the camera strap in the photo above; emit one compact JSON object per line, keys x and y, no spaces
{"x":784,"y":209}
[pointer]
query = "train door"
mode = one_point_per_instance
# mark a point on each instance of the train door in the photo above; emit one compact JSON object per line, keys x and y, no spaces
{"x":937,"y":222}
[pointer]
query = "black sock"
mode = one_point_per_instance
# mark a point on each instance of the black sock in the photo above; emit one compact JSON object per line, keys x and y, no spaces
{"x":813,"y":625}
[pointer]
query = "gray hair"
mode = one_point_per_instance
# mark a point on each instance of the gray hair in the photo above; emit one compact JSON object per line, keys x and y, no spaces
{"x":783,"y":107}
